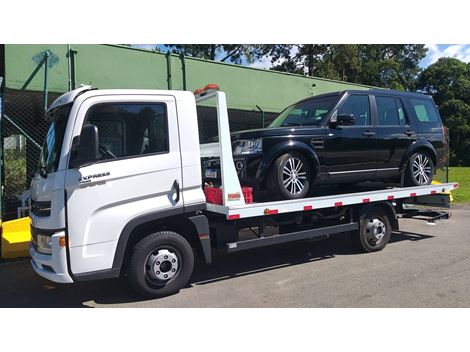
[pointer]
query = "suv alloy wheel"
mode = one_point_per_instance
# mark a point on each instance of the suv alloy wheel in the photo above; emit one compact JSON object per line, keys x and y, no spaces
{"x":290,"y":176}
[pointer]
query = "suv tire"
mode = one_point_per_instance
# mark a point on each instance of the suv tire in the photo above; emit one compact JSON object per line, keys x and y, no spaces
{"x":289,"y":177}
{"x":419,"y":170}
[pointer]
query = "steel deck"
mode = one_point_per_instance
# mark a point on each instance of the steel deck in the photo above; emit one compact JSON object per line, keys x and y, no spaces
{"x":233,"y":212}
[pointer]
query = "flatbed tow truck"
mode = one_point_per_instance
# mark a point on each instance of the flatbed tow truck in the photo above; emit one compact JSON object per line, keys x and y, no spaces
{"x":144,"y":216}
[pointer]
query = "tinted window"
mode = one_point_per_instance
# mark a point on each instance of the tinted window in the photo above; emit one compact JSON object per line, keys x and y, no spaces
{"x":390,"y":111}
{"x":359,"y":106}
{"x":129,"y":129}
{"x":401,"y":113}
{"x":425,"y":111}
{"x":307,"y":113}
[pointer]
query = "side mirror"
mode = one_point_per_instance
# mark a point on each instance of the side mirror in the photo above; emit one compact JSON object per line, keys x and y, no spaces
{"x":85,"y":149}
{"x":344,"y":120}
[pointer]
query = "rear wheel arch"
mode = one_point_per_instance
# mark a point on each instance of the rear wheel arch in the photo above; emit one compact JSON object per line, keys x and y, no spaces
{"x":425,"y":146}
{"x":376,"y":224}
{"x":387,"y":207}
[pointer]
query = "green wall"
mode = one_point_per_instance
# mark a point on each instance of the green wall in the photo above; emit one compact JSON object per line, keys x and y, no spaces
{"x":112,"y":66}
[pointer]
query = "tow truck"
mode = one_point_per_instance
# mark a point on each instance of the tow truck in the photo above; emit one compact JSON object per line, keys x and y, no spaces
{"x":141,"y":213}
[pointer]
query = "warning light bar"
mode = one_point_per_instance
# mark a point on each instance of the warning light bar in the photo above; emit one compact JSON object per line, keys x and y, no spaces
{"x":207,"y":89}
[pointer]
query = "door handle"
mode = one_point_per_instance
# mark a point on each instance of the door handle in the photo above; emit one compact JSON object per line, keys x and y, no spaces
{"x":176,"y":186}
{"x":368,"y":133}
{"x":410,"y":133}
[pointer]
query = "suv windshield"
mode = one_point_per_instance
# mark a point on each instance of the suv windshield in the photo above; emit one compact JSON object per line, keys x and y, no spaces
{"x":50,"y":153}
{"x":311,"y":112}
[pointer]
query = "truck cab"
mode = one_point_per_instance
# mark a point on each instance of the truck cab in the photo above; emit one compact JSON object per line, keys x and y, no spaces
{"x":112,"y":161}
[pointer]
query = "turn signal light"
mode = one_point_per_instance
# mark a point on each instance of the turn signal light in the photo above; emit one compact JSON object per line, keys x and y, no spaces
{"x":62,"y":241}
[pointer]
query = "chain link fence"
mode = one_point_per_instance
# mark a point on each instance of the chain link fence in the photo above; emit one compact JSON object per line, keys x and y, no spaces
{"x":239,"y":120}
{"x":23,"y":130}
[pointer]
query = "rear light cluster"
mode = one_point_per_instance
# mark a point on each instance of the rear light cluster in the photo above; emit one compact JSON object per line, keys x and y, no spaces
{"x":214,"y":195}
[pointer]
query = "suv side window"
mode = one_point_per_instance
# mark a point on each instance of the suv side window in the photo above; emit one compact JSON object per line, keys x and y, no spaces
{"x":359,"y":106}
{"x":390,"y":111}
{"x":425,"y":111}
{"x":129,"y":129}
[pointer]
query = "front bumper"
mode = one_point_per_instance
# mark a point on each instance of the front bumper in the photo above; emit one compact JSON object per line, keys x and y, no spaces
{"x":246,"y":167}
{"x":51,"y":266}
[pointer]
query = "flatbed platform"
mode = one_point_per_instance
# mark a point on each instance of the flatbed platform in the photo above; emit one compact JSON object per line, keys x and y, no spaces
{"x":234,"y":212}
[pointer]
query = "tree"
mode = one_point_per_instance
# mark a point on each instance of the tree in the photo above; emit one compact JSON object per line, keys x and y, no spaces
{"x":235,"y":53}
{"x":388,"y":66}
{"x":448,"y":80}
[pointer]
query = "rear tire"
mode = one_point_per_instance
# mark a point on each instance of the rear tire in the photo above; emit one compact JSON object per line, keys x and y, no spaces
{"x":419,"y":170}
{"x":374,"y":231}
{"x":160,"y":264}
{"x":289,"y":177}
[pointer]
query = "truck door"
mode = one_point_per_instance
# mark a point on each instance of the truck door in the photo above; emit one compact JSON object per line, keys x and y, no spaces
{"x":138,"y":173}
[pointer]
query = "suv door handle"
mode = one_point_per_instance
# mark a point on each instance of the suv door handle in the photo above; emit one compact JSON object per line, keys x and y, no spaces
{"x":410,"y":133}
{"x":368,"y":133}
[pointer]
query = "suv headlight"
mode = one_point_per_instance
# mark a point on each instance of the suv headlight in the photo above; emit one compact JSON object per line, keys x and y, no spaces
{"x":248,"y":146}
{"x":44,"y":244}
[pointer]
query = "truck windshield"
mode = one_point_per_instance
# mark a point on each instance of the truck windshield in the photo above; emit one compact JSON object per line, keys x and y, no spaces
{"x":310,"y":112}
{"x":50,"y":153}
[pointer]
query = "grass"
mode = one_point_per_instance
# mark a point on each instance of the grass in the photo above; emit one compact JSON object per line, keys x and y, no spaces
{"x":462,"y":176}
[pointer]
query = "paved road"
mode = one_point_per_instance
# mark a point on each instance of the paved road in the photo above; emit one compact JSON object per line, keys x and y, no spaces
{"x":423,"y":266}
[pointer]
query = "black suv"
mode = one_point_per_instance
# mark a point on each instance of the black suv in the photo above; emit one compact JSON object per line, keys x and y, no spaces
{"x":344,"y":137}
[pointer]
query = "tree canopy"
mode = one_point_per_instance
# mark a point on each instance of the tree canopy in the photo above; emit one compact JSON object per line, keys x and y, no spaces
{"x":393,"y":66}
{"x":448,"y":80}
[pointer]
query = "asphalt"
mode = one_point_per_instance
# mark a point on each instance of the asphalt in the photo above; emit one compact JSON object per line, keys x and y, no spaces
{"x":422,"y":266}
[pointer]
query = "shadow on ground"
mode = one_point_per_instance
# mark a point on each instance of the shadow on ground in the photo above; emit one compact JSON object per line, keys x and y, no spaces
{"x":21,"y":287}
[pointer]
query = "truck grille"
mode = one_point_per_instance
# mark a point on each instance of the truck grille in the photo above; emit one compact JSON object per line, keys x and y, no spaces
{"x":40,"y":208}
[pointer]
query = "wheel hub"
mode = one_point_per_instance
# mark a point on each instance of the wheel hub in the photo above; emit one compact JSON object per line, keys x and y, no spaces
{"x":422,"y":169}
{"x":376,"y":229}
{"x":162,"y":265}
{"x":294,"y":175}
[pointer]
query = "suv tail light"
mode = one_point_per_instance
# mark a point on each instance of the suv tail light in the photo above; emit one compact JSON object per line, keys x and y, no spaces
{"x":444,"y":131}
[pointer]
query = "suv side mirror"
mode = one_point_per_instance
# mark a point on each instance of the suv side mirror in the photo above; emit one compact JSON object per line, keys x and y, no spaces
{"x":85,"y":149}
{"x":344,"y":120}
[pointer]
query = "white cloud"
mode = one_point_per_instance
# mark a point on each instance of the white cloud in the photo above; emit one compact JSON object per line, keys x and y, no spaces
{"x":459,"y":51}
{"x":150,"y":47}
{"x":265,"y":62}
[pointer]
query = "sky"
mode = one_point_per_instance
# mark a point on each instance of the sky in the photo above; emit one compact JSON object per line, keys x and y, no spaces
{"x":435,"y":51}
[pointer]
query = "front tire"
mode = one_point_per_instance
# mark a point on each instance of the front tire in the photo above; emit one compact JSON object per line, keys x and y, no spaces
{"x":160,"y":264}
{"x":289,"y":177}
{"x":420,"y":170}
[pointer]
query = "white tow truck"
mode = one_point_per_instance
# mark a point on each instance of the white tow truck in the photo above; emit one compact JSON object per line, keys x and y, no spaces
{"x":119,"y":192}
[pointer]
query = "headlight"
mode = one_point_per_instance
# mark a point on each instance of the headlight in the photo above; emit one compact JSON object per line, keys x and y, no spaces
{"x":44,"y":244}
{"x":248,"y":146}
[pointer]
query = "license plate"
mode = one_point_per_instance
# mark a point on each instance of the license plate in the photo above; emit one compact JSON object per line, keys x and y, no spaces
{"x":211,"y":173}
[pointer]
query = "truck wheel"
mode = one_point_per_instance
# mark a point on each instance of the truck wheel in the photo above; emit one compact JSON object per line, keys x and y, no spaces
{"x":374,"y":231}
{"x":160,"y":264}
{"x":289,"y":177}
{"x":420,"y":170}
